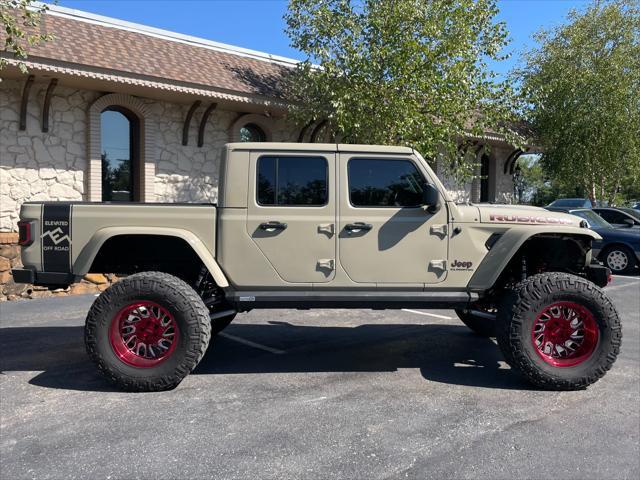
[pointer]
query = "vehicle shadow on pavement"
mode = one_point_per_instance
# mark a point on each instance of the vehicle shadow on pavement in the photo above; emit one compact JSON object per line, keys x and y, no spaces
{"x":443,"y":353}
{"x":56,"y":351}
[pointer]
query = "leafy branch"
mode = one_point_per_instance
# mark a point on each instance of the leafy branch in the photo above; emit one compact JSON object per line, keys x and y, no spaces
{"x":19,"y":20}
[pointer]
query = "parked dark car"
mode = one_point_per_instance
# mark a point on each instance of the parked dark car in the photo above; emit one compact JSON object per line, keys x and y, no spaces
{"x":620,"y":217}
{"x":635,"y":206}
{"x":619,"y":249}
{"x":565,"y":203}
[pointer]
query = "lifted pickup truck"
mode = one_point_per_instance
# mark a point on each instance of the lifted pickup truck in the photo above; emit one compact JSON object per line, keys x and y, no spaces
{"x":325,"y":226}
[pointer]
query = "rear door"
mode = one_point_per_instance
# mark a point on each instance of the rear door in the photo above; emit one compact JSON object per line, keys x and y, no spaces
{"x":292,"y":213}
{"x":385,"y":236}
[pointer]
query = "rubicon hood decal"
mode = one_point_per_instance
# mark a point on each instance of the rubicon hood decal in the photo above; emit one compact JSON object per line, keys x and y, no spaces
{"x":530,"y":219}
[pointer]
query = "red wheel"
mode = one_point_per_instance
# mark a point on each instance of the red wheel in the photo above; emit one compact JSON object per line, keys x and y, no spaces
{"x":565,"y":334}
{"x":143,"y":334}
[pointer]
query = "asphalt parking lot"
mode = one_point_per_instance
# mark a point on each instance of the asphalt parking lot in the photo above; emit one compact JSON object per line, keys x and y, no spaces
{"x":316,"y":394}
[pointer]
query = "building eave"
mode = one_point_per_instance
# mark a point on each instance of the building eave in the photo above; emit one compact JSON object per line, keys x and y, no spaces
{"x":53,"y":67}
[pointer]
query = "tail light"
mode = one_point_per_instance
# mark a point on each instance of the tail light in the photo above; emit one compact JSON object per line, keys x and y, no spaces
{"x":25,"y":233}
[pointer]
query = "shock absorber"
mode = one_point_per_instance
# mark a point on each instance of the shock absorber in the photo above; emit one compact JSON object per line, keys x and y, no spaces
{"x":524,"y":267}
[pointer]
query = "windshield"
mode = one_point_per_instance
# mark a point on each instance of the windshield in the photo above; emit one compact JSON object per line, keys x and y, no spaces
{"x":592,"y":218}
{"x":568,"y":202}
{"x":634,"y":213}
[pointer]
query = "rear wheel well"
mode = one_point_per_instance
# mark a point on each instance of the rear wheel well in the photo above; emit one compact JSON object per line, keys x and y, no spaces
{"x":129,"y":254}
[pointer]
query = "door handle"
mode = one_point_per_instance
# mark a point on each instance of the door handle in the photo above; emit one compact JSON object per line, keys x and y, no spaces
{"x":272,"y":226}
{"x":357,"y":227}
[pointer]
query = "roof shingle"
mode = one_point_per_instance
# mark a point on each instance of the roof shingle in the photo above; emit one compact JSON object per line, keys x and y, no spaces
{"x":120,"y":50}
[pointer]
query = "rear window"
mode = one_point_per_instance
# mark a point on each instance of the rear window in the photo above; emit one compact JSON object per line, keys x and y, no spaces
{"x":292,"y":181}
{"x":570,"y":202}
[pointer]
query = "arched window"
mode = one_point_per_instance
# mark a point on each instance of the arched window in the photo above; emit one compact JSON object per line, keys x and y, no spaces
{"x":120,"y":155}
{"x":252,"y":133}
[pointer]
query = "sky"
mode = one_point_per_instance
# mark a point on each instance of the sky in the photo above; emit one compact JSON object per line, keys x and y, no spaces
{"x":258,"y":24}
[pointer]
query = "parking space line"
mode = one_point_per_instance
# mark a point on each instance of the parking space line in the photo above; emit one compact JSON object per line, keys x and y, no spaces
{"x":249,"y":343}
{"x":623,"y":277}
{"x":615,"y":287}
{"x":444,"y":317}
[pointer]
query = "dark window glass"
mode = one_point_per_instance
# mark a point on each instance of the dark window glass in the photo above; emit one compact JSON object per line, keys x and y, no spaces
{"x":384,"y":183}
{"x":292,"y":181}
{"x":117,"y":133}
{"x":252,"y":133}
{"x":609,"y":216}
{"x":612,"y":216}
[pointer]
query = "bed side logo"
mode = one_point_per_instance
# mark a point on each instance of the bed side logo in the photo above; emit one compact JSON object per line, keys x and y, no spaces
{"x":56,"y":236}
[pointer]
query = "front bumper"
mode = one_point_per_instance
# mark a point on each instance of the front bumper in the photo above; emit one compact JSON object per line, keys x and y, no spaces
{"x":598,"y":274}
{"x":43,"y":279}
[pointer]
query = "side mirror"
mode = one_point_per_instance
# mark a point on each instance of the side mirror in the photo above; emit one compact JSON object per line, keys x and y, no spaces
{"x":629,"y":222}
{"x":431,"y":198}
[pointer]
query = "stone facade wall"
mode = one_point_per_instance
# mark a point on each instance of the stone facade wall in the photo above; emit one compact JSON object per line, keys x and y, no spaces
{"x":36,"y":165}
{"x":503,"y":182}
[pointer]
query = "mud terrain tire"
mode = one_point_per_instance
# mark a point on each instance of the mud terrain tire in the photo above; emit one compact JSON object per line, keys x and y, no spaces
{"x":147,"y":332}
{"x":561,"y":307}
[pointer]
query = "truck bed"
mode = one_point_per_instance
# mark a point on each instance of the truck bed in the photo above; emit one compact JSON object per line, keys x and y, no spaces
{"x":65,"y":236}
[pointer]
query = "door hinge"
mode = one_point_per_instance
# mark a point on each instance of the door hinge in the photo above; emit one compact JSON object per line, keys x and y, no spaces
{"x":439,"y":229}
{"x":327,"y":228}
{"x":438,"y":265}
{"x":326,"y":264}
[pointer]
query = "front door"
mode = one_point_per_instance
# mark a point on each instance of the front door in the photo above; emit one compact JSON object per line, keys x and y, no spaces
{"x":385,"y":235}
{"x":292,"y":214}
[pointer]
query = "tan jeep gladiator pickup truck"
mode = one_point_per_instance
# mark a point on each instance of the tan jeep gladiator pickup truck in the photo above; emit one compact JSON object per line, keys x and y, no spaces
{"x":324,"y":226}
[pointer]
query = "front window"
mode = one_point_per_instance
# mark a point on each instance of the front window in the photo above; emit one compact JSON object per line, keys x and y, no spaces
{"x":384,"y":183}
{"x":118,"y":133}
{"x":592,"y":218}
{"x":292,"y":181}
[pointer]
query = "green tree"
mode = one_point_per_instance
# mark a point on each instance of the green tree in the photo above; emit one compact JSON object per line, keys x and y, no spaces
{"x":581,"y":90}
{"x":408,"y":72}
{"x":19,"y":19}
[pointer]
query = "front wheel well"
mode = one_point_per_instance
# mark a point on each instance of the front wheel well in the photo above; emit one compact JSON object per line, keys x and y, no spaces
{"x":547,"y":253}
{"x":129,"y":254}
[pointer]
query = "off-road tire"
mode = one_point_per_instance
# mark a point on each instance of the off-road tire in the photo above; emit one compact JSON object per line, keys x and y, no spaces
{"x":480,"y":326}
{"x":519,"y":310}
{"x":621,"y":250}
{"x":188,"y":310}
